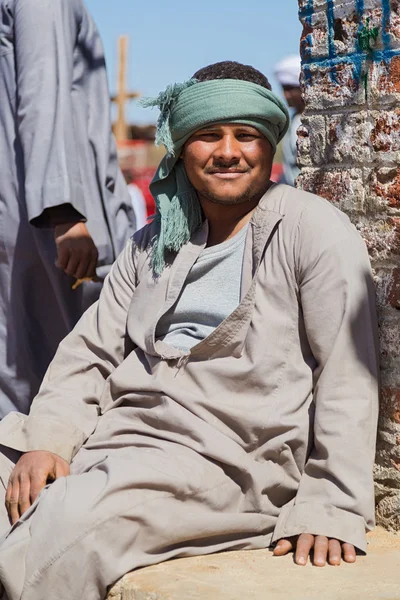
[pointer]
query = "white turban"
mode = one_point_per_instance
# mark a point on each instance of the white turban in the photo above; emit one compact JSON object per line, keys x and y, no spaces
{"x":287,"y":71}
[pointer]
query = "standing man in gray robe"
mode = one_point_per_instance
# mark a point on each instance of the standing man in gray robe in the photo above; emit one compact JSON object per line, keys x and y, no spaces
{"x":222,"y":394}
{"x":65,"y":212}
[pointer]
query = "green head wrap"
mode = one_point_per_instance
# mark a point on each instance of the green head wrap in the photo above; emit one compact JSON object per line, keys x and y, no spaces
{"x":186,"y":108}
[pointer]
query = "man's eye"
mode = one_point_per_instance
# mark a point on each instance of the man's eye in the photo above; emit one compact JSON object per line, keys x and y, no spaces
{"x":248,"y":136}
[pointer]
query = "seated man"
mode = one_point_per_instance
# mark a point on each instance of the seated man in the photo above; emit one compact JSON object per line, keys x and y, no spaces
{"x":222,"y":394}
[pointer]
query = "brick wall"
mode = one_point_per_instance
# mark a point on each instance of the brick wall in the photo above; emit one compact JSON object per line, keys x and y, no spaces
{"x":349,"y":149}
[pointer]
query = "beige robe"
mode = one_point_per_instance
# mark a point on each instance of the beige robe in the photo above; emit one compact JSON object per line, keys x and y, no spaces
{"x":265,"y":429}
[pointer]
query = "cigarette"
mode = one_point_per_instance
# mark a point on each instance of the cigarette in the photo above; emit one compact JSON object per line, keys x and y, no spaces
{"x":78,"y":282}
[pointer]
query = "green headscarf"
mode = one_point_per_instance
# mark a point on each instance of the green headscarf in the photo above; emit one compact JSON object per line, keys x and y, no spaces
{"x":184,"y":109}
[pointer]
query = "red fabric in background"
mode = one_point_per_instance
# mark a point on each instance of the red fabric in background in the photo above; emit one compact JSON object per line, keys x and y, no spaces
{"x":277,"y":170}
{"x":143,"y":181}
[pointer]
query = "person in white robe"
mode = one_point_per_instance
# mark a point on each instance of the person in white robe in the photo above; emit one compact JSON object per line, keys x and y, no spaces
{"x":287,"y":72}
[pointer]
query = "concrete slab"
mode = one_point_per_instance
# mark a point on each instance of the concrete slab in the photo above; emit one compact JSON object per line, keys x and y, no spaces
{"x":257,"y":575}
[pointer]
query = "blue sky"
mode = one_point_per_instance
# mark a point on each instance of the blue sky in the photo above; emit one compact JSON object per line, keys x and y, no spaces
{"x":169,"y":41}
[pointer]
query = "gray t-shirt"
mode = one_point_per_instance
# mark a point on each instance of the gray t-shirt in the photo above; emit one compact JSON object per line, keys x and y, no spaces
{"x":211,"y":293}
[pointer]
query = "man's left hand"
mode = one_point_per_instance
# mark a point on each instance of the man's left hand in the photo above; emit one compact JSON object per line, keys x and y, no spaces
{"x":325,"y":550}
{"x":76,"y":252}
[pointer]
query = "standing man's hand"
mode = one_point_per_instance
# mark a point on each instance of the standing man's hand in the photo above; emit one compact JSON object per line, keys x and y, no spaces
{"x":325,"y":550}
{"x":76,"y":252}
{"x":32,"y":472}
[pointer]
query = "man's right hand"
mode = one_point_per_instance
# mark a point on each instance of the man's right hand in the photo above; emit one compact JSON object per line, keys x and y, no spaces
{"x":32,"y":472}
{"x":76,"y":251}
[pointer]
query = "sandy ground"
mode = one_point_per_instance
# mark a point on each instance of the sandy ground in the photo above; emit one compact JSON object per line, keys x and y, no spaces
{"x":257,"y":575}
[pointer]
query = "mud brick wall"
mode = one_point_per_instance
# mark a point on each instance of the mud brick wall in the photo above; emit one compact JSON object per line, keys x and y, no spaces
{"x":349,"y":151}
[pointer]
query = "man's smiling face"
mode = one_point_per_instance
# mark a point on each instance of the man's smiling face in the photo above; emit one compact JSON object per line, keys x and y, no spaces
{"x":228,"y":163}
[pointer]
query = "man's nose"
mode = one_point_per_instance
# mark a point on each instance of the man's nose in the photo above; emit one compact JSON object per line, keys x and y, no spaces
{"x":228,"y":149}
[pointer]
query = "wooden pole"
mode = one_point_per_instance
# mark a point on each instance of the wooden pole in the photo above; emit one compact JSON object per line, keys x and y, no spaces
{"x":122,"y":96}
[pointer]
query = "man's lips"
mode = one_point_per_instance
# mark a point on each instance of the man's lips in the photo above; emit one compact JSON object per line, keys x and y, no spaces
{"x":226,"y":173}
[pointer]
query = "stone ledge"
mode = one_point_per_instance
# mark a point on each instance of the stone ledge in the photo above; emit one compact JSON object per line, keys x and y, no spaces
{"x":257,"y":575}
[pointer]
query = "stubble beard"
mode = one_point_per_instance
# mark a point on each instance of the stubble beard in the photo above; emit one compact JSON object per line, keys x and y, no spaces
{"x":252,"y":194}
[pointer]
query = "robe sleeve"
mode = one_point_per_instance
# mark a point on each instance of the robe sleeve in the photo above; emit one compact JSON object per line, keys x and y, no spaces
{"x":335,"y":497}
{"x":69,"y":402}
{"x":45,"y":34}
